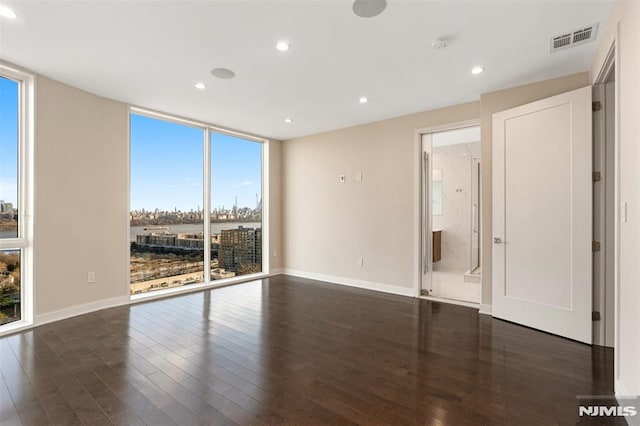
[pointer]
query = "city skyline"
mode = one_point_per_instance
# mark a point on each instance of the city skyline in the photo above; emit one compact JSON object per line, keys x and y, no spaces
{"x":9,"y":141}
{"x":167,"y":168}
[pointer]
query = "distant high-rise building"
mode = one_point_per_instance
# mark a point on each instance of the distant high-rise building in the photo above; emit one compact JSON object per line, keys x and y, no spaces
{"x":6,"y":208}
{"x":241,"y":250}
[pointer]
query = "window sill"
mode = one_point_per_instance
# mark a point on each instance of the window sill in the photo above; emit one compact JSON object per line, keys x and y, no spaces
{"x":190,"y":288}
{"x":14,"y":327}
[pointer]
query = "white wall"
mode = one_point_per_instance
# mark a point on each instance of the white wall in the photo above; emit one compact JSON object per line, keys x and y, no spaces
{"x":625,"y":23}
{"x":455,"y":221}
{"x":329,"y":224}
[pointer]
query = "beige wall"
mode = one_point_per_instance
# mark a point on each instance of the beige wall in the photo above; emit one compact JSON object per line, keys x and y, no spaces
{"x":499,"y":101}
{"x":625,"y":21}
{"x":81,"y":190}
{"x":81,"y":201}
{"x":329,"y":224}
{"x":275,"y":205}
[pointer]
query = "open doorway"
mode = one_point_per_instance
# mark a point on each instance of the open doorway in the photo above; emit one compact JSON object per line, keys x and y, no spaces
{"x":451,"y":214}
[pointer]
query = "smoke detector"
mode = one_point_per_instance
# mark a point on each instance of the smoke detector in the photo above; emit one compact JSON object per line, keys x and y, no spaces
{"x":439,"y":44}
{"x":573,"y":38}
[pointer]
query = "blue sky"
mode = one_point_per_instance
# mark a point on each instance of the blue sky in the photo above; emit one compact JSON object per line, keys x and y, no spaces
{"x":166,"y":162}
{"x":167,"y":167}
{"x":8,"y":141}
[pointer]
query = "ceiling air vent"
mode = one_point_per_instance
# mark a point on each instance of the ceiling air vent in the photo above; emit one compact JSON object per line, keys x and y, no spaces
{"x":574,"y":38}
{"x":561,"y":41}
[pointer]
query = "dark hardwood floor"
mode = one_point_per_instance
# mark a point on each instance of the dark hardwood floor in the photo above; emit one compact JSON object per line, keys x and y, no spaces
{"x":293,"y":351}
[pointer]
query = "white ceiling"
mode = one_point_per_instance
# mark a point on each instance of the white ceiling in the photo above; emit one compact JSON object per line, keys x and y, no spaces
{"x":151,"y":53}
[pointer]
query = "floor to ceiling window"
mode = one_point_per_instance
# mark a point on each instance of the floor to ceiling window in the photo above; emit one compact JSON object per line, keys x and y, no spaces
{"x":15,"y":195}
{"x":236,"y":206}
{"x":167,"y":232}
{"x":195,"y":204}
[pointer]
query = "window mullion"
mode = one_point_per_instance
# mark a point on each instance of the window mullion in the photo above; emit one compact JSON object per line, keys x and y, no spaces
{"x":207,"y":205}
{"x":13,"y":243}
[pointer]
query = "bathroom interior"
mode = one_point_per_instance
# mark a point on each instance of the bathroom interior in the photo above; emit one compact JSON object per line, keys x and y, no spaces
{"x":455,"y":214}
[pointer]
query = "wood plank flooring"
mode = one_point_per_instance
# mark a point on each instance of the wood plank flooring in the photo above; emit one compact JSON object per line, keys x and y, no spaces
{"x":292,"y":351}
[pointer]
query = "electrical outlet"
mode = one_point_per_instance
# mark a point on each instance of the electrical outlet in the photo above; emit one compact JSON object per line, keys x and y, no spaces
{"x":358,"y":177}
{"x":359,"y":261}
{"x":275,"y":253}
{"x":342,"y":178}
{"x":91,"y":277}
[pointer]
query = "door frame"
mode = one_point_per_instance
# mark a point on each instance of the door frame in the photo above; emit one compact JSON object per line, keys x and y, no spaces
{"x":604,"y":225}
{"x":417,"y":195}
{"x":611,"y":62}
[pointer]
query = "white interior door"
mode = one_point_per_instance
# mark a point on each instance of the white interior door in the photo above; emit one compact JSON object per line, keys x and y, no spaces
{"x":542,"y":210}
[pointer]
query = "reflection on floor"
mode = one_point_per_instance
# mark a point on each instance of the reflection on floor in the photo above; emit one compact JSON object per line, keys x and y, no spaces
{"x":451,"y":285}
{"x":292,"y":351}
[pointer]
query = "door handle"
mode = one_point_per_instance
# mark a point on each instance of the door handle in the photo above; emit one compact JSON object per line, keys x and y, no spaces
{"x":475,"y":217}
{"x":425,"y":212}
{"x":498,"y":240}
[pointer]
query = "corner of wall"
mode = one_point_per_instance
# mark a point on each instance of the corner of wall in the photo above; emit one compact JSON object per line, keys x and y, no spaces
{"x":607,"y":38}
{"x":331,"y":224}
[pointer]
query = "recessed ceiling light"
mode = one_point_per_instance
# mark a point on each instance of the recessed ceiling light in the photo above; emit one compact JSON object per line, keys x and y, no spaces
{"x":223,"y":73}
{"x":282,"y":46}
{"x":363,"y":100}
{"x":5,"y":12}
{"x":288,"y":120}
{"x":369,"y":8}
{"x":200,"y":86}
{"x":477,"y":70}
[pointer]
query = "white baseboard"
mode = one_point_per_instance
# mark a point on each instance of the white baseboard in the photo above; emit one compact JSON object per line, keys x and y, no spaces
{"x":368,"y":285}
{"x":621,"y":392}
{"x":485,"y":309}
{"x":619,"y":389}
{"x":277,"y":271}
{"x":74,"y":311}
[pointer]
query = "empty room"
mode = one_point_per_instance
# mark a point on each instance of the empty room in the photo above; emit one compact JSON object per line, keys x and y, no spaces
{"x":374,"y":212}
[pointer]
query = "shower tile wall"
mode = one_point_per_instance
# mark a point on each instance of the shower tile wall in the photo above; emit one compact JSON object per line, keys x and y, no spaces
{"x":455,"y":221}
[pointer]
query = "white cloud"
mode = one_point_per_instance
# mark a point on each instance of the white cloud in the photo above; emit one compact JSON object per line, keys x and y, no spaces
{"x":243,"y":183}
